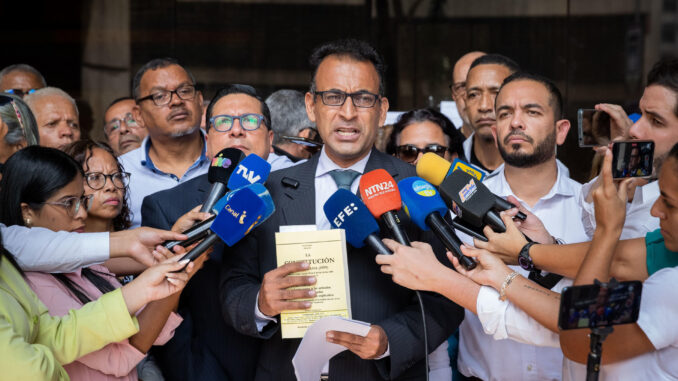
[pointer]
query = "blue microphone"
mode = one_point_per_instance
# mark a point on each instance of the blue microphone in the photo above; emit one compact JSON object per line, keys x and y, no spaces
{"x":252,"y":169}
{"x":245,"y":209}
{"x":345,"y":211}
{"x":426,"y":209}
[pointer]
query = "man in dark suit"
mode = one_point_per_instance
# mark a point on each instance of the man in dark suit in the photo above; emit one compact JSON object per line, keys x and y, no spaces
{"x":203,"y":346}
{"x":347,"y":104}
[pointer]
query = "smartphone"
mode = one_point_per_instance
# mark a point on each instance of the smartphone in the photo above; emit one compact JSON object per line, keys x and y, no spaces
{"x":303,"y":141}
{"x":594,"y":127}
{"x":595,"y":305}
{"x":632,"y":158}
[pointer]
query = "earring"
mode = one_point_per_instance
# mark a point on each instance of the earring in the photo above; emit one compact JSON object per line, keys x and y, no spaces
{"x":27,"y":222}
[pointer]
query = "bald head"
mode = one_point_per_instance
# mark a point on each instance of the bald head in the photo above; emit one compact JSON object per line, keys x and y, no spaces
{"x":463,"y":64}
{"x":459,"y":73}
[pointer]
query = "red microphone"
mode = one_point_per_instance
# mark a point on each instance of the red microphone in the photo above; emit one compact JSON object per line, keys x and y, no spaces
{"x":380,"y":194}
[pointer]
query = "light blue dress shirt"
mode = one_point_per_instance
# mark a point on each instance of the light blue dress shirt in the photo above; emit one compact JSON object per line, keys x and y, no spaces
{"x":146,"y":179}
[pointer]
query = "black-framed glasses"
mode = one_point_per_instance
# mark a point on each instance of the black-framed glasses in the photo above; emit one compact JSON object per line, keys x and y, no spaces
{"x":97,"y":180}
{"x":72,"y":204}
{"x":248,"y":122}
{"x":19,"y":92}
{"x":163,"y":97}
{"x":409,"y":152}
{"x":115,"y":124}
{"x":362,"y":99}
{"x":458,"y":88}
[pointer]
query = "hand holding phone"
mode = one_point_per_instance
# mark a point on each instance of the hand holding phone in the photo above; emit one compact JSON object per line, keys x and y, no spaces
{"x":599,"y":305}
{"x":633,"y":158}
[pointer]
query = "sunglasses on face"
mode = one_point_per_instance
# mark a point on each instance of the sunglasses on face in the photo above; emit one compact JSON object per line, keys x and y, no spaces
{"x":409,"y":152}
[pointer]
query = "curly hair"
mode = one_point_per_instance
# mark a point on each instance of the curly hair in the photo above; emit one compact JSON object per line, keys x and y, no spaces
{"x":81,"y":151}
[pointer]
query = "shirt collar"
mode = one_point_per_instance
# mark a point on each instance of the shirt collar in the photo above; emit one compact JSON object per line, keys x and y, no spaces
{"x":562,"y":186}
{"x":147,"y":162}
{"x":325,"y":164}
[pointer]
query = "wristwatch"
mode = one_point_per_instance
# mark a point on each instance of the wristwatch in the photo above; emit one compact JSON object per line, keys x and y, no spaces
{"x":524,"y":259}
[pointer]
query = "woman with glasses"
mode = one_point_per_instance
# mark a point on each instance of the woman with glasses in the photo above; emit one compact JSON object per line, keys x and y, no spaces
{"x":424,"y":130}
{"x":43,"y":187}
{"x":106,"y":182}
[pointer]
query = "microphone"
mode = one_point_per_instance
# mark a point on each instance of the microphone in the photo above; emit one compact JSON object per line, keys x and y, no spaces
{"x":345,"y":211}
{"x":219,"y":173}
{"x":426,"y":209}
{"x":245,"y":209}
{"x":252,"y":169}
{"x":468,"y":198}
{"x":381,"y":196}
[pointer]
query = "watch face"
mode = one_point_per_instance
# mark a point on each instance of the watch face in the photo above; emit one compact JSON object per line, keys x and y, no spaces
{"x":524,"y":263}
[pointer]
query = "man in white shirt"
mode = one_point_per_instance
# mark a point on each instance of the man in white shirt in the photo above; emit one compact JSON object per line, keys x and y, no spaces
{"x":659,"y":123}
{"x":529,"y":127}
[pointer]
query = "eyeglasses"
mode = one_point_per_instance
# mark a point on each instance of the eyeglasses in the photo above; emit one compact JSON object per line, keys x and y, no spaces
{"x":410,"y":152}
{"x":362,"y":99}
{"x":458,"y":88}
{"x":97,"y":180}
{"x":20,"y":93}
{"x":72,"y":204}
{"x":248,"y":122}
{"x":163,"y":97}
{"x":115,"y":124}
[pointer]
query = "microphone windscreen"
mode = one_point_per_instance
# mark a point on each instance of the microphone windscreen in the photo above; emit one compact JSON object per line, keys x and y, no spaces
{"x":433,"y":168}
{"x":223,"y":165}
{"x":345,"y":211}
{"x":379,"y":192}
{"x":250,"y":170}
{"x":420,"y":199}
{"x":243,"y":211}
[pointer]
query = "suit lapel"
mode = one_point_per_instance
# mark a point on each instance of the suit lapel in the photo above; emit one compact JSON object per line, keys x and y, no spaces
{"x":299,"y":203}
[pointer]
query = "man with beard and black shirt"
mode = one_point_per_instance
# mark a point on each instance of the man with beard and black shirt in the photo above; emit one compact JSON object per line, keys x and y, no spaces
{"x":529,"y":126}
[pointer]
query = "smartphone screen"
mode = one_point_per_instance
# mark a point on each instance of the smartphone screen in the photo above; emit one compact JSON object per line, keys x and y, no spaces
{"x":632,"y":159}
{"x":594,"y":127}
{"x":592,"y":306}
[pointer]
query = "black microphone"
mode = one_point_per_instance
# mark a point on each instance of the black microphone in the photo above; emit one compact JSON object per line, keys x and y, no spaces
{"x":426,"y":209}
{"x":223,"y":165}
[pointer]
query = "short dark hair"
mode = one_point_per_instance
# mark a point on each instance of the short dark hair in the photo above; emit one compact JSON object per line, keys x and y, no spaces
{"x":673,"y":153}
{"x":555,"y":99}
{"x":357,"y":50}
{"x":81,"y":151}
{"x":456,"y":139}
{"x":238,"y":89}
{"x":155,"y":64}
{"x":116,"y":100}
{"x":496,"y":59}
{"x":665,"y":73}
{"x":32,"y":175}
{"x":25,"y":68}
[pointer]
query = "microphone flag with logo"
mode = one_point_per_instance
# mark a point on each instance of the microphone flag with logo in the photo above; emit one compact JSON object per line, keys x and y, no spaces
{"x":252,"y":169}
{"x":380,"y":194}
{"x":345,"y":211}
{"x":222,"y":166}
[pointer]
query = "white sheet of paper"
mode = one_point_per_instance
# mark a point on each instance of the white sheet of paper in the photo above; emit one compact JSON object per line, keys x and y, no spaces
{"x":449,"y":109}
{"x":297,"y":228}
{"x":314,"y":351}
